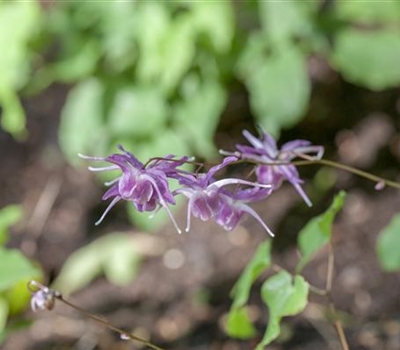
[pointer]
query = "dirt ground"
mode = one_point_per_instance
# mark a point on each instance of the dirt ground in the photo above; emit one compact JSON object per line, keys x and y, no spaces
{"x":184,"y":307}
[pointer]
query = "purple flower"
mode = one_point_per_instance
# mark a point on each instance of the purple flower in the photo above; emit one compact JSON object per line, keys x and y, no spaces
{"x":210,"y":199}
{"x":265,"y":150}
{"x":146,"y":186}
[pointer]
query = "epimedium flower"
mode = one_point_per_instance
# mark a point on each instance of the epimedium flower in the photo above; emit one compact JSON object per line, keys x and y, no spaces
{"x":144,"y":185}
{"x":43,"y":298}
{"x":264,"y":150}
{"x":211,"y":199}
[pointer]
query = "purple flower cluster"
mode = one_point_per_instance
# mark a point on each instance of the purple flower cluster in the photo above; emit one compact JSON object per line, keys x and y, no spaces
{"x":226,"y":200}
{"x":274,"y":165}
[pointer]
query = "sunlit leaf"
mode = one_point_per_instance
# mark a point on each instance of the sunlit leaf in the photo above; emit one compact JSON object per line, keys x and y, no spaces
{"x":80,"y":269}
{"x":18,"y":296}
{"x":120,"y":26}
{"x":284,"y":296}
{"x":280,"y":86}
{"x":9,"y":216}
{"x":79,"y":66}
{"x":239,"y":325}
{"x":282,"y":20}
{"x":318,"y":230}
{"x":388,"y":245}
{"x":368,"y":58}
{"x":14,"y":58}
{"x":13,"y":115}
{"x":216,"y":19}
{"x":114,"y":254}
{"x":14,"y":267}
{"x":138,"y":112}
{"x":197,"y":116}
{"x":155,"y":16}
{"x":122,"y":261}
{"x":82,"y":129}
{"x":178,"y":52}
{"x":375,"y":12}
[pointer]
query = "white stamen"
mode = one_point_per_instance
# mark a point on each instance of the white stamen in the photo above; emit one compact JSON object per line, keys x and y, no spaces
{"x":231,"y":181}
{"x":114,"y":201}
{"x":163,"y":203}
{"x":105,"y":168}
{"x":250,"y":211}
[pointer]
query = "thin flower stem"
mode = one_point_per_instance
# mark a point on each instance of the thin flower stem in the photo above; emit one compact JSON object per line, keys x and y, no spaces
{"x":107,"y":324}
{"x":329,"y":281}
{"x":51,"y":295}
{"x":349,"y":169}
{"x":317,"y":290}
{"x":329,"y":274}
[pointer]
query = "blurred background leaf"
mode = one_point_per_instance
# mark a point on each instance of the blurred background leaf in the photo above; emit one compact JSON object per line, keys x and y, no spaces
{"x":9,"y":216}
{"x":14,"y":59}
{"x":113,"y":254}
{"x":388,"y":244}
{"x":280,"y":88}
{"x":368,"y":58}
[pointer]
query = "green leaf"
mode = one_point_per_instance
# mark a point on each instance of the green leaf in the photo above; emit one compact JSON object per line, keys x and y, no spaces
{"x":257,"y":265}
{"x":120,"y":22}
{"x":318,"y":231}
{"x":9,"y":216}
{"x":81,"y":129}
{"x":138,"y":112}
{"x":375,"y":12}
{"x":284,"y":296}
{"x":216,"y":20}
{"x":239,"y":325}
{"x":13,"y":115}
{"x":113,"y":254}
{"x":23,"y":18}
{"x":280,"y":86}
{"x":80,"y":269}
{"x":152,"y":15}
{"x":178,"y":52}
{"x":15,"y":267}
{"x":368,"y":58}
{"x":283,"y":20}
{"x":18,"y":296}
{"x":79,"y":66}
{"x":388,"y":245}
{"x":123,"y":261}
{"x":197,"y":115}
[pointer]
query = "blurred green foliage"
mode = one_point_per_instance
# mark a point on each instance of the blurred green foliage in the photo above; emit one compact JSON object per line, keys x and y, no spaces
{"x":15,"y":271}
{"x":172,"y":63}
{"x":113,"y":255}
{"x":388,"y":246}
{"x":14,"y":59}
